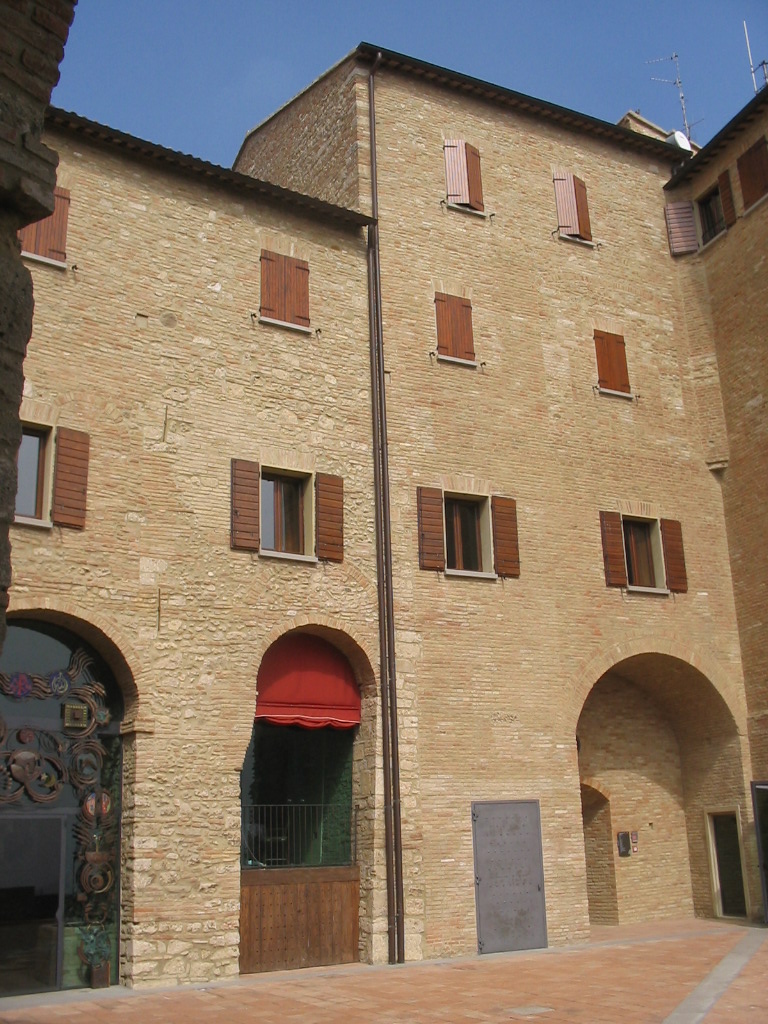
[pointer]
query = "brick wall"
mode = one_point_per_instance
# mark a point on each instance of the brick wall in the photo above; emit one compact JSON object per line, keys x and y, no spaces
{"x":147,"y":342}
{"x":493,"y":674}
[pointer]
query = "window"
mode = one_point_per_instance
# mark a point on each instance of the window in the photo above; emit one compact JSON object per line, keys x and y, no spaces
{"x":284,"y":290}
{"x":711,"y":216}
{"x":612,"y":374}
{"x":273,"y":511}
{"x":282,"y":513}
{"x":454,"y":328}
{"x":643,"y":553}
{"x":52,"y":490}
{"x":463,"y":183}
{"x":31,"y":473}
{"x":47,"y":238}
{"x":467,"y":533}
{"x":572,"y":208}
{"x":753,"y":172}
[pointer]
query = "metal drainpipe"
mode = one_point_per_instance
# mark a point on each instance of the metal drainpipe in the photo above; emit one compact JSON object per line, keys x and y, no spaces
{"x":390,"y":742}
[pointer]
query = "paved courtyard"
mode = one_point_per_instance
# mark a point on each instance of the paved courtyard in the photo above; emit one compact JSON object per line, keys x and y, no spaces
{"x":680,"y":972}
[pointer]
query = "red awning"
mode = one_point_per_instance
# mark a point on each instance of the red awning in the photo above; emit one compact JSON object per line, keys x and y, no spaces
{"x":306,"y":681}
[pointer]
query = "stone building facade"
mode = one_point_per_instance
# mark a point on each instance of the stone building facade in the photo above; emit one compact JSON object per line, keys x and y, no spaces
{"x":559,"y":510}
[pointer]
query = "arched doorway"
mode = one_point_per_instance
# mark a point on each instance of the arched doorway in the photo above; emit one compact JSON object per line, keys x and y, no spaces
{"x":300,"y":887}
{"x":60,"y":787}
{"x":658,"y":749}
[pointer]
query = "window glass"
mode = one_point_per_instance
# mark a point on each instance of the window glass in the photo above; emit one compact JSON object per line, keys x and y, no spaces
{"x":639,"y":552}
{"x":282,"y":514}
{"x":711,"y":213}
{"x":462,"y":535}
{"x":29,"y":496}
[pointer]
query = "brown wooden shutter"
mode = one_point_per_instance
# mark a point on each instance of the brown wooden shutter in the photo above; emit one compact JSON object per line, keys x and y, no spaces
{"x":48,"y":237}
{"x":753,"y":172}
{"x":681,"y":227}
{"x":565,"y":201}
{"x":70,"y":482}
{"x":611,"y":353}
{"x":506,"y":549}
{"x":674,"y":556}
{"x":726,"y":198}
{"x":296,"y":292}
{"x":613,"y":549}
{"x":474,"y":179}
{"x":456,"y":178}
{"x":453,"y":315}
{"x":329,"y":517}
{"x":430,"y":516}
{"x":582,"y":209}
{"x":271,"y":273}
{"x":244,"y":528}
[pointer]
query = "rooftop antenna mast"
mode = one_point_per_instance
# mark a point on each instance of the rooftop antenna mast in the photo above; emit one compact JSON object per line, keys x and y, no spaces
{"x":677,"y":81}
{"x":753,"y":67}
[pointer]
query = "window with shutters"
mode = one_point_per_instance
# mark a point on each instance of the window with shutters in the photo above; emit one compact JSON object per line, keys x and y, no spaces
{"x":463,"y":182}
{"x":467,"y":534}
{"x":753,"y":173}
{"x":612,"y":373}
{"x":643,"y":554}
{"x":52,"y":477}
{"x":46,"y":240}
{"x":284,"y":291}
{"x":286,"y":514}
{"x":572,"y":207}
{"x":455,"y":340}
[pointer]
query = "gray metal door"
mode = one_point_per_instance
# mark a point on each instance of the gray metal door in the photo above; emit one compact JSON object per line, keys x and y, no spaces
{"x":760,"y":804}
{"x":509,"y":876}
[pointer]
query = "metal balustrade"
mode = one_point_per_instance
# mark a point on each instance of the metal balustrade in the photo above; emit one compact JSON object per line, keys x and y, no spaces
{"x":298,"y":835}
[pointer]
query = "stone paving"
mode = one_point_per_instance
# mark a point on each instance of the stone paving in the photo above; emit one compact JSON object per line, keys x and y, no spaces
{"x":664,"y":973}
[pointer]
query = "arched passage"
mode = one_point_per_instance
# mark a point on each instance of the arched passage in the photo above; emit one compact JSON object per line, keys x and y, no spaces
{"x":598,"y":854}
{"x":656,"y":734}
{"x":60,"y":797}
{"x":304,"y":787}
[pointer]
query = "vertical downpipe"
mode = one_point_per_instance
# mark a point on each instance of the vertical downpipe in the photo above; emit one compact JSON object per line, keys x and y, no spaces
{"x":390,"y":743}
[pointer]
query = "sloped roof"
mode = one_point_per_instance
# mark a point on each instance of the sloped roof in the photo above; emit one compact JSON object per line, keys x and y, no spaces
{"x":195,"y":167}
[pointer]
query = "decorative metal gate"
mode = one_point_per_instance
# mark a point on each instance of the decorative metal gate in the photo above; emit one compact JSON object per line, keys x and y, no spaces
{"x":59,"y":818}
{"x":509,"y":876}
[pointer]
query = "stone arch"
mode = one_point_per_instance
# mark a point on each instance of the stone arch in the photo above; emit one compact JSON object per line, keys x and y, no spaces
{"x":97,"y":629}
{"x":703,"y":662}
{"x":348,"y":641}
{"x":662,"y":734}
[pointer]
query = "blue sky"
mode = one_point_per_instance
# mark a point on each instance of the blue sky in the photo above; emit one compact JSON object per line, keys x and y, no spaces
{"x":195,"y":75}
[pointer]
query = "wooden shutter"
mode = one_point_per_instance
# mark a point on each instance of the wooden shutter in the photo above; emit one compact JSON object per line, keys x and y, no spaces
{"x":474,"y":179}
{"x":271,"y":275}
{"x":244,"y":496}
{"x":296,"y":292}
{"x":753,"y":172}
{"x":726,"y":198}
{"x":430,"y":516}
{"x":70,"y":482}
{"x":611,"y":352}
{"x":329,"y":517}
{"x":454,"y":327}
{"x":681,"y":227}
{"x":613,"y":549}
{"x":456,"y":177}
{"x":565,"y":200}
{"x":674,"y":556}
{"x":506,"y":549}
{"x":48,"y":237}
{"x":582,"y":209}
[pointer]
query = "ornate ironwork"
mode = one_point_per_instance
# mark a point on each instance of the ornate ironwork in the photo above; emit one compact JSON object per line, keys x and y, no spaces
{"x":38,"y":763}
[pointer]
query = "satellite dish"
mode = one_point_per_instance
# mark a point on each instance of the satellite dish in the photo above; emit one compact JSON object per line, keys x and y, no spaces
{"x":680,"y":139}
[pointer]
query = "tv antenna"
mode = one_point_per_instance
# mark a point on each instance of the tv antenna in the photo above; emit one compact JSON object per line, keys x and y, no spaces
{"x":676,"y":81}
{"x":753,"y":67}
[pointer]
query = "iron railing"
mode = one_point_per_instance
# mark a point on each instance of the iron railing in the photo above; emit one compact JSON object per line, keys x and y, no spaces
{"x":298,"y":835}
